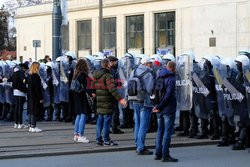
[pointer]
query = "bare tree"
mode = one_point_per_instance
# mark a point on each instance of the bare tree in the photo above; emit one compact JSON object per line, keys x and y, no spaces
{"x":4,"y":38}
{"x":7,"y":23}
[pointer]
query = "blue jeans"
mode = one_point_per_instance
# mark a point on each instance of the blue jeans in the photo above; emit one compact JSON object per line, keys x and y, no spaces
{"x":164,"y":133}
{"x":80,"y":124}
{"x":142,"y":116}
{"x":103,"y":125}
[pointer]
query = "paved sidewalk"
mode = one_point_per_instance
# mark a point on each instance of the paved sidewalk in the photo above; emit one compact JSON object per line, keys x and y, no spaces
{"x":57,"y":139}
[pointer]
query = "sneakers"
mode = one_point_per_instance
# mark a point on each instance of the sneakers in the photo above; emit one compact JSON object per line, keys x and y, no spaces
{"x":110,"y":143}
{"x":35,"y":130}
{"x":15,"y":126}
{"x":22,"y":126}
{"x":75,"y":138}
{"x":82,"y":139}
{"x":145,"y":152}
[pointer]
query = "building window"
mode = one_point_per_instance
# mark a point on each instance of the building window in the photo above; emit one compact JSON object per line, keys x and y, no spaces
{"x":109,"y":33}
{"x":165,"y":30}
{"x":135,"y":32}
{"x":84,"y":34}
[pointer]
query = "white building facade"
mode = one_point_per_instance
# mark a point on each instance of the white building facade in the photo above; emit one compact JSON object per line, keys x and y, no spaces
{"x":219,"y":27}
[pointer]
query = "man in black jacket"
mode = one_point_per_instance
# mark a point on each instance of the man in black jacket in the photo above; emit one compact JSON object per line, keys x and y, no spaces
{"x":115,"y":117}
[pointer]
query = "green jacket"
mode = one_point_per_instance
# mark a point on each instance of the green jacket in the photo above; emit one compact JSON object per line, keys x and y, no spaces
{"x":106,"y":92}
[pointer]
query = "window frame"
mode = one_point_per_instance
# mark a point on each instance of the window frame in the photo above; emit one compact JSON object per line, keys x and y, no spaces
{"x":111,"y":34}
{"x":169,"y":30}
{"x":135,"y":33}
{"x":88,"y":35}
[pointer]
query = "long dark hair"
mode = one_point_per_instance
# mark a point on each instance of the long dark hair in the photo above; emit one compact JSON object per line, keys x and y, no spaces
{"x":81,"y":67}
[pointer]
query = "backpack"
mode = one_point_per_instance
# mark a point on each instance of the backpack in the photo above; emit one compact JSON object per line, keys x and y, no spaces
{"x":159,"y":90}
{"x":136,"y":88}
{"x":76,"y":86}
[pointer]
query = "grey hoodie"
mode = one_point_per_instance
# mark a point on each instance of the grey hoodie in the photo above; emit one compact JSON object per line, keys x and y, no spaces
{"x":148,"y":81}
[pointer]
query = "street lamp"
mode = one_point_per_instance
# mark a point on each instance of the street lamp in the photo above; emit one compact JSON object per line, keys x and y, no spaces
{"x":100,"y":24}
{"x":56,"y":29}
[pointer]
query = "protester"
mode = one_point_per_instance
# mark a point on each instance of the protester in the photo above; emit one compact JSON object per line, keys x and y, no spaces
{"x":106,"y":94}
{"x":50,"y":92}
{"x":18,"y":80}
{"x":82,"y":108}
{"x":115,"y":117}
{"x":35,"y":97}
{"x":142,"y":104}
{"x":166,"y":111}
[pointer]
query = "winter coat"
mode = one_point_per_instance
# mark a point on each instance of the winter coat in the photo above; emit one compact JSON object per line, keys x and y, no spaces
{"x":18,"y":80}
{"x":80,"y":99}
{"x":168,"y":103}
{"x":106,"y":92}
{"x":148,"y":82}
{"x":34,"y":94}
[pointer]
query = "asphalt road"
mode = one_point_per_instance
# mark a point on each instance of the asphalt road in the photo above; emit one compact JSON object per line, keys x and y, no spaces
{"x":201,"y":156}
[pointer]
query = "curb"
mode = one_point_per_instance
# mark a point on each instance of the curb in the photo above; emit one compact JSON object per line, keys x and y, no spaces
{"x":91,"y":151}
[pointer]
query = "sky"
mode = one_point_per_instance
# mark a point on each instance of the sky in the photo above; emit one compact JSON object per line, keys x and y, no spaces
{"x":2,"y":1}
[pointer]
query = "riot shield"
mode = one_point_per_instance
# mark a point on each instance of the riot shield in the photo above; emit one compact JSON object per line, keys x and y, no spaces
{"x":97,"y":62}
{"x":200,"y":92}
{"x":247,"y":83}
{"x":219,"y":74}
{"x":44,"y":81}
{"x":241,"y":103}
{"x":138,"y":59}
{"x":9,"y":69}
{"x":184,"y":92}
{"x":56,"y":81}
{"x":64,"y":80}
{"x":126,"y":66}
{"x":205,"y":87}
{"x":2,"y":92}
{"x":90,"y":60}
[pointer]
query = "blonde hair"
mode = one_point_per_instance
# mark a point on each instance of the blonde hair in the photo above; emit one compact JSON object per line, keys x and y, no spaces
{"x":34,"y":68}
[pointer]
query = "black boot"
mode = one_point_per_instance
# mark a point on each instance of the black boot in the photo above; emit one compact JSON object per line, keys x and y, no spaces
{"x":50,"y":112}
{"x":186,"y":123}
{"x":5,"y":111}
{"x":117,"y":131}
{"x":10,"y":115}
{"x":180,"y":127}
{"x":203,"y":135}
{"x":240,"y":145}
{"x":193,"y":124}
{"x":225,"y":133}
{"x":215,"y":124}
{"x":169,"y":159}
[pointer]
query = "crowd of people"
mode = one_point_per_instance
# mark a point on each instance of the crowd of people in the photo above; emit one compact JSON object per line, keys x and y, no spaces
{"x":135,"y":91}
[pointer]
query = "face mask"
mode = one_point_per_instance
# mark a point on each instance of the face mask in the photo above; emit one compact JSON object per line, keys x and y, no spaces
{"x":239,"y":66}
{"x":115,"y":66}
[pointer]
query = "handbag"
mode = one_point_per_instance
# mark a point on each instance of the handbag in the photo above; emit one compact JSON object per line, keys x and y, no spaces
{"x":78,"y":88}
